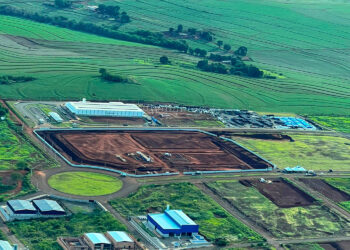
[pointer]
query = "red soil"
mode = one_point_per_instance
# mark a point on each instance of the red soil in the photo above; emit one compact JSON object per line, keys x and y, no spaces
{"x":327,"y":190}
{"x":170,"y":151}
{"x":282,"y":193}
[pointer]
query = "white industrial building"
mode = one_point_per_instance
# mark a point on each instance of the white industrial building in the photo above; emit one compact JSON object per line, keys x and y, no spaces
{"x":111,"y":109}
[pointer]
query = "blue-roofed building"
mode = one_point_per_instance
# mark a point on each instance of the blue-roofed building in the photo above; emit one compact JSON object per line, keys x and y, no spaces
{"x":120,"y":240}
{"x":172,"y":223}
{"x":48,"y":207}
{"x":21,"y":207}
{"x":56,"y":117}
{"x":5,"y":245}
{"x":97,"y":241}
{"x":297,"y":169}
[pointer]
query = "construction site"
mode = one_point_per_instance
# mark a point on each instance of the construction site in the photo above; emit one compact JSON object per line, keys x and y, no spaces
{"x":281,"y":192}
{"x":152,"y":151}
{"x":327,"y":190}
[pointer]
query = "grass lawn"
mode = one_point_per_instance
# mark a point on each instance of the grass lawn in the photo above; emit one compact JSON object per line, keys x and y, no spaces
{"x":297,"y":222}
{"x":15,"y":148}
{"x":310,"y":151}
{"x":338,"y":123}
{"x":41,"y":234}
{"x":342,"y":184}
{"x":85,"y":183}
{"x":214,"y":222}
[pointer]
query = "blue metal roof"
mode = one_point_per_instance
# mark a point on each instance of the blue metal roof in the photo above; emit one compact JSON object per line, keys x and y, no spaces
{"x":56,"y":116}
{"x":120,"y":236}
{"x":164,"y":221}
{"x":296,"y":122}
{"x":5,"y":245}
{"x":180,"y":217}
{"x":295,"y":169}
{"x":97,"y":238}
{"x":48,"y":205}
{"x":19,"y":205}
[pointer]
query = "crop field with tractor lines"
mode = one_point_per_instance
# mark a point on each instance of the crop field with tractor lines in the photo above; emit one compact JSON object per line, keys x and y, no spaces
{"x":65,"y":64}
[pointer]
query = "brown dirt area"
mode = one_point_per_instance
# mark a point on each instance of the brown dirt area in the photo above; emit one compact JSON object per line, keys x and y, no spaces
{"x":169,"y":150}
{"x":5,"y":178}
{"x":341,"y":245}
{"x":282,"y":193}
{"x":327,"y":190}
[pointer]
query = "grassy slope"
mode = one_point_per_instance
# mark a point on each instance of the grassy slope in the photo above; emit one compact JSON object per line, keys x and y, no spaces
{"x":68,"y":70}
{"x":309,"y":151}
{"x":198,"y":206}
{"x":85,"y":183}
{"x":297,"y":222}
{"x":41,"y":234}
{"x":342,"y":184}
{"x":14,"y":148}
{"x":341,"y":124}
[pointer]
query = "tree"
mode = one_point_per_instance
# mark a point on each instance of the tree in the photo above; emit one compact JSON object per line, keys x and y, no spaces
{"x":202,"y":53}
{"x":102,"y":71}
{"x":16,"y":177}
{"x":192,"y":31}
{"x":3,"y":111}
{"x":241,"y":51}
{"x":221,"y":242}
{"x":22,"y":165}
{"x":254,"y":72}
{"x":219,"y":43}
{"x":203,"y":64}
{"x":62,"y":3}
{"x":171,"y":30}
{"x":197,"y":51}
{"x":180,"y":28}
{"x":191,"y":51}
{"x":227,"y":47}
{"x":164,"y":60}
{"x":206,"y":36}
{"x":124,"y":18}
{"x":233,"y":61}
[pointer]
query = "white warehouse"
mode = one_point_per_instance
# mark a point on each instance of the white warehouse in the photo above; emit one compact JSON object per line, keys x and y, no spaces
{"x":112,"y":109}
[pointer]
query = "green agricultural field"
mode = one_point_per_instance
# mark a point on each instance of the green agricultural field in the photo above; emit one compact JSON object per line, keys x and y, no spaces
{"x":65,"y":64}
{"x":16,"y":149}
{"x":338,"y":123}
{"x":85,"y":183}
{"x":297,"y":222}
{"x":342,"y":184}
{"x":310,"y":151}
{"x":303,"y":246}
{"x":214,"y":222}
{"x":41,"y":234}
